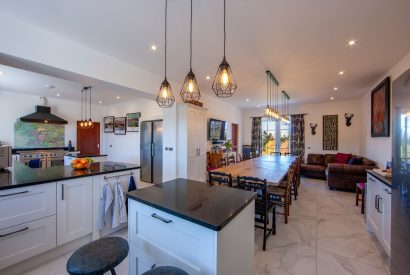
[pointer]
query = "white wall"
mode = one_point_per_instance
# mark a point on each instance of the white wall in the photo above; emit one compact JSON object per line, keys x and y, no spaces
{"x":348,"y":137}
{"x":378,"y":149}
{"x":15,"y":105}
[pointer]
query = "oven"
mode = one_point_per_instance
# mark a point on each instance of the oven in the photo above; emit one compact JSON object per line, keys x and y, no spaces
{"x":48,"y":158}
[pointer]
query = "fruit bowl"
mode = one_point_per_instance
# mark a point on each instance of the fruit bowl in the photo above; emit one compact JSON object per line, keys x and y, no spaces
{"x":81,"y":163}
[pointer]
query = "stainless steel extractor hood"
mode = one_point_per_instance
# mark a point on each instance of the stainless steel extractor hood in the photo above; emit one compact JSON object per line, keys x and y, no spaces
{"x":43,"y":115}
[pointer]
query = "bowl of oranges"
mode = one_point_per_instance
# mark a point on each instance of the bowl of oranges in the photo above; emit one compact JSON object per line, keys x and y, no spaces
{"x":81,"y":163}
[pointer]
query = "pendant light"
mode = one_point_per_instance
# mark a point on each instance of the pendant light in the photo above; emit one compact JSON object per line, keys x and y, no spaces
{"x":90,"y":121}
{"x":190,"y":90}
{"x":82,"y":108}
{"x":224,"y":84}
{"x":272,"y":105}
{"x":165,"y":97}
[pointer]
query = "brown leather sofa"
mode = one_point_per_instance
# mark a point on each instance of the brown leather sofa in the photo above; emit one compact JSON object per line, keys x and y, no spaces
{"x":340,"y":176}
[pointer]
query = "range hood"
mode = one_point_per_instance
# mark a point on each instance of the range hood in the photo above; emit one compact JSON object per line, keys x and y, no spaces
{"x":43,"y":115}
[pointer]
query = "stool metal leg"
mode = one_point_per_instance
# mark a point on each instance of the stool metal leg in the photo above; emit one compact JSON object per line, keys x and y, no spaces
{"x":113,"y":272}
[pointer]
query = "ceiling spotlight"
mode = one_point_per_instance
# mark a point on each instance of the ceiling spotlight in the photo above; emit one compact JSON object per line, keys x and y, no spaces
{"x":332,"y":98}
{"x":258,"y":106}
{"x":1,"y":73}
{"x":352,"y":42}
{"x":208,"y":77}
{"x":118,"y":97}
{"x":48,"y":86}
{"x":57,"y":94}
{"x":341,"y":73}
{"x":100,"y":102}
{"x":153,"y":47}
{"x":247,"y":100}
{"x":335,"y":88}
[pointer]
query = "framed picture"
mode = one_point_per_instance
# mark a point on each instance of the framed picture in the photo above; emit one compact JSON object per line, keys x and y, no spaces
{"x":133,"y":122}
{"x":120,"y":126}
{"x":380,"y":113}
{"x":330,"y":124}
{"x":109,"y":124}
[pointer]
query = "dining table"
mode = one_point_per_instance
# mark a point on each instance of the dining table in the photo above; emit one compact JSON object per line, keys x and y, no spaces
{"x":272,"y":168}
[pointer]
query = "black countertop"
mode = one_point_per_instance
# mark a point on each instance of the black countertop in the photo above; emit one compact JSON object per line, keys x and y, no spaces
{"x":209,"y":206}
{"x":386,"y":180}
{"x":21,"y":175}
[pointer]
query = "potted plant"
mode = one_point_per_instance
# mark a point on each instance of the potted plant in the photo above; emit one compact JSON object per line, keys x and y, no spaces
{"x":228,"y":145}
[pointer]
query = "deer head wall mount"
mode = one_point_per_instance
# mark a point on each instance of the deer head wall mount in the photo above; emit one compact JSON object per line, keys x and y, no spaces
{"x":313,"y":128}
{"x":348,"y":118}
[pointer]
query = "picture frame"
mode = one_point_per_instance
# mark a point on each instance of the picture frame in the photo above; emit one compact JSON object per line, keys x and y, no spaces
{"x":380,"y":109}
{"x":120,"y":125}
{"x":330,"y":132}
{"x":133,"y":122}
{"x":108,"y":122}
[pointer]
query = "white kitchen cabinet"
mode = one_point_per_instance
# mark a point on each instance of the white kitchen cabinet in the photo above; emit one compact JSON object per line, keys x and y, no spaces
{"x":74,"y":209}
{"x":378,"y":210}
{"x":192,"y":141}
{"x":20,"y":242}
{"x":20,"y":205}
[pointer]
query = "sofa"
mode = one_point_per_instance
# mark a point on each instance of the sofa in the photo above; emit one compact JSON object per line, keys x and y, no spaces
{"x":339,"y":176}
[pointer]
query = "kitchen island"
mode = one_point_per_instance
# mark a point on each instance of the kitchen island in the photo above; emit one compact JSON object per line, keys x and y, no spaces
{"x":47,"y":212}
{"x":197,"y":227}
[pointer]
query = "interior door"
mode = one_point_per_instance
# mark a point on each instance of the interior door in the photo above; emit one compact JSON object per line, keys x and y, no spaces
{"x":235,"y":138}
{"x":88,"y":139}
{"x":145,"y":151}
{"x":157,"y":152}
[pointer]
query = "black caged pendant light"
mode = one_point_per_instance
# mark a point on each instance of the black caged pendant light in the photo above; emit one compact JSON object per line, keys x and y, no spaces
{"x":224,"y":84}
{"x":190,"y":90}
{"x":165,"y":97}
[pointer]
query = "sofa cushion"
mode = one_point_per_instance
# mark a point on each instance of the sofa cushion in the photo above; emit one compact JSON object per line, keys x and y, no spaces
{"x":312,"y":167}
{"x":315,"y":159}
{"x":329,"y":158}
{"x":342,"y":158}
{"x":368,"y":162}
{"x":355,"y":161}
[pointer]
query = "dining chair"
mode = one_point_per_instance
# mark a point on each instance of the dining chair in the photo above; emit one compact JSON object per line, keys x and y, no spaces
{"x":263,"y":205}
{"x":296,"y":178}
{"x":219,"y":178}
{"x":240,"y":157}
{"x":222,"y":162}
{"x":281,"y":196}
{"x":231,"y":160}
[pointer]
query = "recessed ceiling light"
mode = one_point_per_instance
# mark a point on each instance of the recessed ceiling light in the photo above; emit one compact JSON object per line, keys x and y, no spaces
{"x":247,"y":100}
{"x":57,"y":94}
{"x":341,"y":73}
{"x":1,"y":73}
{"x":257,"y":106}
{"x":118,"y":97}
{"x":49,"y":86}
{"x":208,"y":77}
{"x":332,"y":98}
{"x":100,"y":102}
{"x":335,"y":88}
{"x":352,"y":42}
{"x":153,"y":47}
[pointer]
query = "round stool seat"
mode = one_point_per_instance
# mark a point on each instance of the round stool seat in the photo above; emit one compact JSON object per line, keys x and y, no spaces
{"x":165,"y":270}
{"x":98,"y":257}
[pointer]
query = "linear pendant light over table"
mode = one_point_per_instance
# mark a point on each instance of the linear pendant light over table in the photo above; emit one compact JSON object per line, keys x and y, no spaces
{"x":224,"y":84}
{"x":271,"y":110}
{"x":165,"y":97}
{"x":190,"y":90}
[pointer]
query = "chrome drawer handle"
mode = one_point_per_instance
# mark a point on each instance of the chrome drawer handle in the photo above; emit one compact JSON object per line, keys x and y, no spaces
{"x":155,"y":216}
{"x":4,"y":235}
{"x":387,"y":191}
{"x":12,"y":194}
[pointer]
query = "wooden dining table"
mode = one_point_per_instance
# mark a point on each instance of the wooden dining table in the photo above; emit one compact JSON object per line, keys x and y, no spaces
{"x":272,"y":168}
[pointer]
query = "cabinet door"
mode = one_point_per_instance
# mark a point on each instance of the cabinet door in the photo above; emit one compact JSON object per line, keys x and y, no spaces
{"x":200,"y":169}
{"x":201,"y":129}
{"x":192,"y":116}
{"x":386,"y":235}
{"x":191,"y":169}
{"x":373,"y":201}
{"x":74,"y":209}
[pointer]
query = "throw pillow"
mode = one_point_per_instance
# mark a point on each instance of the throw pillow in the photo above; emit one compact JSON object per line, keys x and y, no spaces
{"x":356,"y":161}
{"x":342,"y":158}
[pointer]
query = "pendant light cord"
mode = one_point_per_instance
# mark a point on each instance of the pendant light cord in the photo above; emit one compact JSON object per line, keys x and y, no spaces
{"x":224,"y":26}
{"x":90,"y":102}
{"x":190,"y":45}
{"x":82,"y":104}
{"x":166,"y":8}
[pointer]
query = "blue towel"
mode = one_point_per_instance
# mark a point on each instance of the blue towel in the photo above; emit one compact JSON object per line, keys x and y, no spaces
{"x":34,"y":163}
{"x":132,"y":186}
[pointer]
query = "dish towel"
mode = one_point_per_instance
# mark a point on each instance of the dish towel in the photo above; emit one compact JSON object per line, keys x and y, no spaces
{"x":105,"y":210}
{"x":119,"y":213}
{"x":132,"y":186}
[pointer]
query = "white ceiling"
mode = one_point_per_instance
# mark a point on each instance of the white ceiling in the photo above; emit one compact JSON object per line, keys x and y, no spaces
{"x":302,"y":42}
{"x":22,"y":81}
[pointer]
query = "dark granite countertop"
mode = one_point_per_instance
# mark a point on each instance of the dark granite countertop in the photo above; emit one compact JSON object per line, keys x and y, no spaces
{"x":386,"y":180}
{"x":209,"y":206}
{"x":21,"y":175}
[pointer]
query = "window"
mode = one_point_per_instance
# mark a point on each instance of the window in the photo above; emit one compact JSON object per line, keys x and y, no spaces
{"x":275,"y":136}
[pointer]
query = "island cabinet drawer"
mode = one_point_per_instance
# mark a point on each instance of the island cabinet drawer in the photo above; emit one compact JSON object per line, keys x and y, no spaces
{"x":26,"y":240}
{"x":155,"y":231}
{"x":21,"y":205}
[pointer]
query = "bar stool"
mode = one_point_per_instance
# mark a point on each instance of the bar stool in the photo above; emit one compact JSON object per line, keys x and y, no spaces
{"x":360,"y":190}
{"x":98,"y":257}
{"x":165,"y":270}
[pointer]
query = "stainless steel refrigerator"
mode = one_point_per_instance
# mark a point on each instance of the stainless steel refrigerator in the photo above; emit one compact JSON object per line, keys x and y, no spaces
{"x":151,"y":151}
{"x":400,"y":227}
